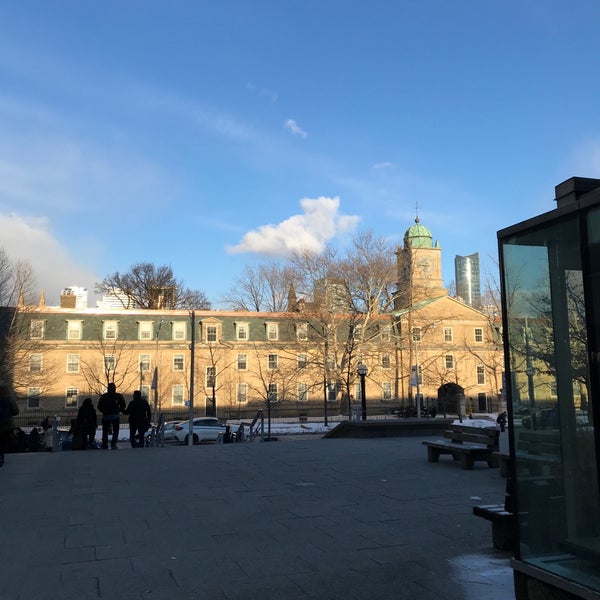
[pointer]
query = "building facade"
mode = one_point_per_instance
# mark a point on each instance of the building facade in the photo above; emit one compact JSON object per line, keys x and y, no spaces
{"x":230,"y":363}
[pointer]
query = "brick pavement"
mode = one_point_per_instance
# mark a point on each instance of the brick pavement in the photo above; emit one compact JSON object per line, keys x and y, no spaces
{"x":300,"y":519}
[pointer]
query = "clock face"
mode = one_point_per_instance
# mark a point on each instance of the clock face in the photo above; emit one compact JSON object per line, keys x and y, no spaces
{"x":425,"y":266}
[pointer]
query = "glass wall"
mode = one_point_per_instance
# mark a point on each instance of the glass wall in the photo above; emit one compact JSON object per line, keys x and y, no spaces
{"x":550,"y":275}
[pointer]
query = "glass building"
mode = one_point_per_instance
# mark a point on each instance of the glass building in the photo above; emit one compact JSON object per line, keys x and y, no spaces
{"x":550,"y":276}
{"x":468,"y":281}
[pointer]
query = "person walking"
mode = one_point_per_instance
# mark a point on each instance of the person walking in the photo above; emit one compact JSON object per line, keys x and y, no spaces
{"x":501,"y":420}
{"x":111,"y":404}
{"x":139,"y":419}
{"x":8,"y":409}
{"x":87,"y":421}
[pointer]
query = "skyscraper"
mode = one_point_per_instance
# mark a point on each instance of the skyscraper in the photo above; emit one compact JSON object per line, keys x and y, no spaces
{"x":468,"y":282}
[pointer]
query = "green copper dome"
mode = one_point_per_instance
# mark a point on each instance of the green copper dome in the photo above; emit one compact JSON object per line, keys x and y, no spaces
{"x":418,"y":236}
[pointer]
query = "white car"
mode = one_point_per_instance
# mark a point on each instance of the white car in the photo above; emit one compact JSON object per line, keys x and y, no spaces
{"x":205,"y":429}
{"x":168,"y":429}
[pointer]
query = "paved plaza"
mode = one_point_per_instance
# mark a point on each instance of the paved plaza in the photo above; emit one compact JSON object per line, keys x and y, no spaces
{"x":295,"y":519}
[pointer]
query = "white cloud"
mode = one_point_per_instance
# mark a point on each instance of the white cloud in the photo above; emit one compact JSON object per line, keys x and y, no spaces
{"x":263,"y":92}
{"x":29,"y":239}
{"x":292,"y":126}
{"x":319,"y":223}
{"x":383,"y":165}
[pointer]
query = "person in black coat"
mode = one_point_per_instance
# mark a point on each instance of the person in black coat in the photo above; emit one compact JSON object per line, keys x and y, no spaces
{"x":139,"y":419}
{"x":87,"y":423}
{"x":111,"y":404}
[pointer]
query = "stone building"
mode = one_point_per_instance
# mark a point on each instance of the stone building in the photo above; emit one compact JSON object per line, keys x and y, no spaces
{"x":296,"y":362}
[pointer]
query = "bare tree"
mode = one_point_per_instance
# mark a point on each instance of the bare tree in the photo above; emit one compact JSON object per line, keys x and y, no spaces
{"x":264,"y":288}
{"x":150,"y":287}
{"x":17,"y":281}
{"x":344,"y":296}
{"x":17,"y":290}
{"x":110,"y":361}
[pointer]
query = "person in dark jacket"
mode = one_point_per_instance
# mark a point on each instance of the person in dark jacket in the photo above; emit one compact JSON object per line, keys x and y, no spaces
{"x":8,"y":409}
{"x":139,"y":419}
{"x":87,"y":422}
{"x":111,"y":404}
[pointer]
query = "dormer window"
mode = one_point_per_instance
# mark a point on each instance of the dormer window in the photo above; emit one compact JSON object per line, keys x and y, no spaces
{"x":272,"y":331}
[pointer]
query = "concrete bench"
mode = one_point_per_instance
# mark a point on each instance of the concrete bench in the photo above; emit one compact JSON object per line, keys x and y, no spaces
{"x":503,"y":524}
{"x":467,"y":444}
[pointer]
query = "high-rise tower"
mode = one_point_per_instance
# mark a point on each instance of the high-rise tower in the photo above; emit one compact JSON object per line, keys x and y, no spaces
{"x":468,"y":282}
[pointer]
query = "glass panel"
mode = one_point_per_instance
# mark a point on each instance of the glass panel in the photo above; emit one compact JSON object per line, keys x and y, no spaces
{"x":555,"y":460}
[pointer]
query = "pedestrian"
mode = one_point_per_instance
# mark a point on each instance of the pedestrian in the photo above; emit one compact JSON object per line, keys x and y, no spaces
{"x":87,"y":422}
{"x":501,"y":420}
{"x":140,"y":416}
{"x":8,"y":410}
{"x":111,"y":404}
{"x":228,"y":435}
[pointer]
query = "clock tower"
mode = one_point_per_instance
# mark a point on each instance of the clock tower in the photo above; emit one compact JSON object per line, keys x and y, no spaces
{"x":419,"y":267}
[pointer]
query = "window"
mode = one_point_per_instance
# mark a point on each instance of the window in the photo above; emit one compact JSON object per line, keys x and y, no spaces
{"x":35,"y":363}
{"x":478,"y":331}
{"x":179,"y":331}
{"x":242,"y":393}
{"x":331,"y":392}
{"x":330,"y":362}
{"x":449,"y":361}
{"x":302,"y":361}
{"x":73,"y":330}
{"x":386,"y":333}
{"x":272,"y":331}
{"x":37,"y":329}
{"x":178,"y":362}
{"x":273,"y":361}
{"x":302,"y":332}
{"x":302,"y":392}
{"x":212,"y":333}
{"x":416,"y":334}
{"x":448,"y":334}
{"x":242,"y":362}
{"x":357,"y":392}
{"x":241,"y":331}
{"x":72,"y":363}
{"x":145,"y":389}
{"x":386,"y":361}
{"x":480,"y":375}
{"x":145,"y":330}
{"x":211,"y":377}
{"x":177,"y":395}
{"x":272,"y":393}
{"x":386,"y":388}
{"x":144,"y":362}
{"x":110,"y":362}
{"x":110,"y":330}
{"x":71,"y":397}
{"x":34,"y":397}
{"x":356,"y":332}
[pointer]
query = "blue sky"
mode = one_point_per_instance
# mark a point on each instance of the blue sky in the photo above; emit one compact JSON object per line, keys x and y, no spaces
{"x":215,"y":135}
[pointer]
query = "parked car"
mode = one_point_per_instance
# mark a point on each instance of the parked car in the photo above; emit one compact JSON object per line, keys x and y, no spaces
{"x":205,"y":429}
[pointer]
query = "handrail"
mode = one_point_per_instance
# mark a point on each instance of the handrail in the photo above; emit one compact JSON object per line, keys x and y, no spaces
{"x":253,"y":430}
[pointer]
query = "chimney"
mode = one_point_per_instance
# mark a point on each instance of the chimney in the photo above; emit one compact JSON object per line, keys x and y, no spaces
{"x":570,"y":190}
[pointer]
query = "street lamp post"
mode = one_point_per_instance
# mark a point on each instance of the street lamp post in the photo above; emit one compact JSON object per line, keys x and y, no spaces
{"x":362,"y":373}
{"x":192,"y":368}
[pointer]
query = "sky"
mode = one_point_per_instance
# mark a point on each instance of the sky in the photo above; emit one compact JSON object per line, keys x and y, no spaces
{"x":212,"y":136}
